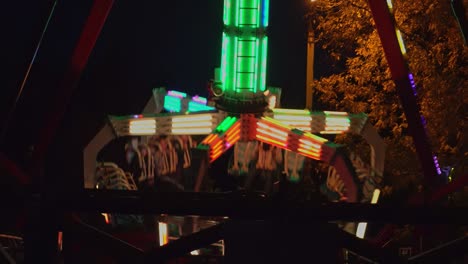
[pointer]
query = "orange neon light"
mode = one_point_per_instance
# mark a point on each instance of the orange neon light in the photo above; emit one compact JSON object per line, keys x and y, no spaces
{"x":216,"y":155}
{"x":309,"y":154}
{"x":106,"y":218}
{"x":310,"y":143}
{"x":273,"y":121}
{"x":312,"y":136}
{"x":230,"y":137}
{"x":217,"y":144}
{"x":233,"y":141}
{"x":332,"y":132}
{"x":208,"y":140}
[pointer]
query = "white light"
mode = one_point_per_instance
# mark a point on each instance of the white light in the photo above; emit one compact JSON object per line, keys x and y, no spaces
{"x":163,"y":234}
{"x":361,"y":229}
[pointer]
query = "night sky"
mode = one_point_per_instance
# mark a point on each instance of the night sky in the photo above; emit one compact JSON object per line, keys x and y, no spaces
{"x":144,"y":44}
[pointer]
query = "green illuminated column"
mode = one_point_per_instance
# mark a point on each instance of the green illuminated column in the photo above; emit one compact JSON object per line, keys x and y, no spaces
{"x":244,"y":49}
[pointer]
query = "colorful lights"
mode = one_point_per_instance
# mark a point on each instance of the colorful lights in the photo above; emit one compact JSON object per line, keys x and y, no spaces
{"x":336,"y":122}
{"x":224,"y":136}
{"x":142,"y":127}
{"x":172,"y":103}
{"x":244,"y":50}
{"x":300,"y":119}
{"x":176,"y":94}
{"x":198,"y":124}
{"x":197,"y":107}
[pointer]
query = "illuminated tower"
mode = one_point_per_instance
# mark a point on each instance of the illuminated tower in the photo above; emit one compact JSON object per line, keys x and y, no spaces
{"x":244,"y":56}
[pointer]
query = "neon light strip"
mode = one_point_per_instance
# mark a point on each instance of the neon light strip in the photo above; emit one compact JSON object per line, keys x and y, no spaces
{"x":273,"y":121}
{"x":163,"y":234}
{"x":309,"y":154}
{"x":198,"y":124}
{"x":390,"y":5}
{"x":199,"y":99}
{"x":273,"y":130}
{"x":271,"y":141}
{"x":234,"y":70}
{"x":266,"y":7}
{"x":191,"y":118}
{"x":176,"y":94}
{"x":263,"y":65}
{"x":401,"y":42}
{"x":231,"y":137}
{"x":314,"y":137}
{"x":291,"y":111}
{"x":255,"y":79}
{"x":263,"y":131}
{"x":286,"y":117}
{"x":335,"y":113}
{"x":188,"y":131}
{"x":209,"y":139}
{"x":223,"y":59}
{"x":310,"y":143}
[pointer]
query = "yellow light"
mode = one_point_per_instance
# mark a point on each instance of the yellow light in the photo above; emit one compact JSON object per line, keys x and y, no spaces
{"x":314,"y":137}
{"x":310,"y":143}
{"x":191,"y":118}
{"x":273,"y":135}
{"x":188,"y":131}
{"x":309,"y":153}
{"x":273,"y":130}
{"x":194,"y":124}
{"x":333,"y":131}
{"x":270,"y":121}
{"x":163,"y":234}
{"x":291,"y":111}
{"x":269,"y":140}
{"x":390,"y":4}
{"x":293,"y":117}
{"x":335,"y":113}
{"x":375,"y":196}
{"x":401,"y":42}
{"x":195,"y":253}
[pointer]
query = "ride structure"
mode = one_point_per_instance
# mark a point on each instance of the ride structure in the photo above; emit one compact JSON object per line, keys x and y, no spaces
{"x":245,"y":110}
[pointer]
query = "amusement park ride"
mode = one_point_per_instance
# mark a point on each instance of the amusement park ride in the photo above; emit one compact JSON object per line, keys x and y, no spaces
{"x":243,"y":109}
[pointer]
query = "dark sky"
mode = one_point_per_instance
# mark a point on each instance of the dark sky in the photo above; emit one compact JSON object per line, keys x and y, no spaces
{"x":144,"y":44}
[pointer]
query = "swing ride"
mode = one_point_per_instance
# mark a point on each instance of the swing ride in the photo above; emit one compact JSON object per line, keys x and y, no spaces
{"x":244,"y":113}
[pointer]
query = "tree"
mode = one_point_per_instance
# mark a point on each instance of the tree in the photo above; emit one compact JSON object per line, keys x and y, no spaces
{"x":360,"y":79}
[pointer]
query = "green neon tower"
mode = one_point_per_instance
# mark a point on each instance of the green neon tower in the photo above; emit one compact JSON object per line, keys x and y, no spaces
{"x":244,"y":56}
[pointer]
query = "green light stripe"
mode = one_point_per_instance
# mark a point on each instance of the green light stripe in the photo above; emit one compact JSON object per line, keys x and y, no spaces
{"x":263,"y":64}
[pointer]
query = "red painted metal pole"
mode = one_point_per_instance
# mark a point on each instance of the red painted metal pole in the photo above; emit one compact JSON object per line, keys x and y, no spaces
{"x":92,"y":28}
{"x":13,"y":169}
{"x":402,"y":77}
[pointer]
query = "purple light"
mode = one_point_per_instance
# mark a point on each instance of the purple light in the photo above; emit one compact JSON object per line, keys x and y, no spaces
{"x":423,"y":120}
{"x":227,"y":145}
{"x":137,"y":116}
{"x":413,"y":84}
{"x":436,"y":162}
